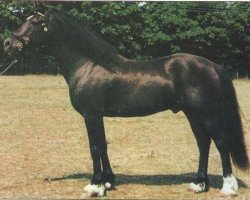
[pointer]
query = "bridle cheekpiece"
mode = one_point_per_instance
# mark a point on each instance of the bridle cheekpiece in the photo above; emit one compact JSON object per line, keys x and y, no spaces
{"x":25,"y":40}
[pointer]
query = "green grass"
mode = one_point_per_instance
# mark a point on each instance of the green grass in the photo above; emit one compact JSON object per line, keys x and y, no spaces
{"x":44,"y":149}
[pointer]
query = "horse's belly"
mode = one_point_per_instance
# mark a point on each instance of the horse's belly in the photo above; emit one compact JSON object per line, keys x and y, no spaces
{"x":139,"y":104}
{"x":136,"y":112}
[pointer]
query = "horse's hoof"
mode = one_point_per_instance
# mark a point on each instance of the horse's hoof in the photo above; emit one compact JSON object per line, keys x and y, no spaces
{"x":197,"y":188}
{"x":228,"y":193}
{"x":94,"y":191}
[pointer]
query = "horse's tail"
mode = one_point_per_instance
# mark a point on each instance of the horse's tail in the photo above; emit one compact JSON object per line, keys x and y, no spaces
{"x":232,"y":125}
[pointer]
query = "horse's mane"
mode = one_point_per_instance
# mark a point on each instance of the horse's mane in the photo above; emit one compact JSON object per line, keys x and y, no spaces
{"x":83,"y":38}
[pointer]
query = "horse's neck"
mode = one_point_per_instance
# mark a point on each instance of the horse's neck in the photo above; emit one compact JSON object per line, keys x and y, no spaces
{"x":71,"y":60}
{"x":67,"y":58}
{"x":62,"y":50}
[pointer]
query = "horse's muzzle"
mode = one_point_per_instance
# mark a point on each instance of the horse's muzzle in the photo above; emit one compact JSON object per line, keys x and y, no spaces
{"x":12,"y":46}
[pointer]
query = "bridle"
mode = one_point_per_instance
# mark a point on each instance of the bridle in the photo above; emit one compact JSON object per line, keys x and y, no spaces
{"x":24,"y":41}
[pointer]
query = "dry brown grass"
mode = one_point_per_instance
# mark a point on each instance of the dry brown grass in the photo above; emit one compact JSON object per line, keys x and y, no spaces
{"x":44,"y":149}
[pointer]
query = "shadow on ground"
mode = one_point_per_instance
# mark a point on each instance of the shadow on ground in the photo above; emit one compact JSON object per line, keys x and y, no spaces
{"x":215,"y":180}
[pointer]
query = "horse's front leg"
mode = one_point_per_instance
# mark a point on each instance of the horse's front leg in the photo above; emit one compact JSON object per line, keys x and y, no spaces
{"x":101,"y":181}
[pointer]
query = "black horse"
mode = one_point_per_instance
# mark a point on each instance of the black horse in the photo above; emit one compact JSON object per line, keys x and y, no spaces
{"x":103,"y":83}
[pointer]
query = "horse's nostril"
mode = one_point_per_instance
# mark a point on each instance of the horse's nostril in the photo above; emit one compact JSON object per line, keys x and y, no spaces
{"x":7,"y":43}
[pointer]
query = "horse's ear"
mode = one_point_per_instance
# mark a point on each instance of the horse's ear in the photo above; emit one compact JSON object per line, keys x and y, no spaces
{"x":40,"y":6}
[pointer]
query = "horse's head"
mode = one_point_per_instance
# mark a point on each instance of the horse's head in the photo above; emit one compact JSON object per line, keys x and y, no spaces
{"x":33,"y":30}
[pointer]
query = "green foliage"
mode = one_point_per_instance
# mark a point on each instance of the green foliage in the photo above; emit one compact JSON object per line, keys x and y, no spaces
{"x":219,"y":31}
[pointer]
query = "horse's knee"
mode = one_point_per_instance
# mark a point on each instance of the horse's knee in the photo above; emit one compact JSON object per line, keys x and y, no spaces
{"x":95,"y":151}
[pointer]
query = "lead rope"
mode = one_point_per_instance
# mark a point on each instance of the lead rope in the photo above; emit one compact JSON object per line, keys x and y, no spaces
{"x":10,"y":65}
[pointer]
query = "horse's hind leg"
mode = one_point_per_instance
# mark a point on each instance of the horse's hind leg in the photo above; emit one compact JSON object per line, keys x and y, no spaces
{"x":214,"y":128}
{"x":201,"y":183}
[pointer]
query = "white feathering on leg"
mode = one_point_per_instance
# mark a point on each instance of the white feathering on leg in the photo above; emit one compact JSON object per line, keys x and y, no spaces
{"x":197,"y":188}
{"x":94,"y":190}
{"x":107,"y":185}
{"x":230,"y":186}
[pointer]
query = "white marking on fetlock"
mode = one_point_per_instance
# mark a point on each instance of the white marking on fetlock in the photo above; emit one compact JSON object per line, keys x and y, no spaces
{"x":197,"y":188}
{"x":107,"y":185}
{"x":230,"y":186}
{"x":94,"y":190}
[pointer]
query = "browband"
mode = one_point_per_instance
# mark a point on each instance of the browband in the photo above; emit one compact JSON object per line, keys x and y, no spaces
{"x":42,"y":15}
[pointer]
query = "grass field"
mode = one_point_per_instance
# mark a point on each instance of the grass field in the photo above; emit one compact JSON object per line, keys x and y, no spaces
{"x":44,"y":150}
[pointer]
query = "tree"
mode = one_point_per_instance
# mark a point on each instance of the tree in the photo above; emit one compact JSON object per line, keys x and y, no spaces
{"x":218,"y":31}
